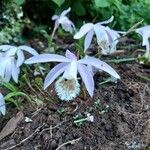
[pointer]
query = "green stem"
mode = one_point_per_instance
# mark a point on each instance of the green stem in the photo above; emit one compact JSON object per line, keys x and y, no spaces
{"x":80,"y":120}
{"x":53,"y":33}
{"x":117,"y":61}
{"x":106,"y":81}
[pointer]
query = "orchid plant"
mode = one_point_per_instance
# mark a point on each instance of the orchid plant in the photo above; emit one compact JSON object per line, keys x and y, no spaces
{"x":2,"y":105}
{"x":107,"y":38}
{"x":145,"y":33}
{"x":67,"y":86}
{"x":64,"y":21}
{"x":11,"y":58}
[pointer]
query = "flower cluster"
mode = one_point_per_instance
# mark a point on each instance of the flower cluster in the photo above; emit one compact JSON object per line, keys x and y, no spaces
{"x":67,"y":86}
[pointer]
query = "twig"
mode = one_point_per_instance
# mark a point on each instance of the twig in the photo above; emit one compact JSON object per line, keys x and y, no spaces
{"x":51,"y":127}
{"x":69,"y":142}
{"x":24,"y":140}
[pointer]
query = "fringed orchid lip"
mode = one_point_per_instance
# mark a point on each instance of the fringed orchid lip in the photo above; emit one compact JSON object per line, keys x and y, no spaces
{"x":67,"y":89}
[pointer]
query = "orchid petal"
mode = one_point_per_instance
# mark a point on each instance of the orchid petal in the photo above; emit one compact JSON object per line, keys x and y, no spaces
{"x":71,"y":70}
{"x":20,"y":59}
{"x":46,"y":58}
{"x":6,"y":47}
{"x":65,"y":12}
{"x":8,"y":71}
{"x":2,"y":105}
{"x":67,"y":25}
{"x":107,"y":21}
{"x":100,"y":33}
{"x":84,"y":29}
{"x":54,"y":73}
{"x":70,"y":55}
{"x":88,"y":39}
{"x":55,"y":17}
{"x":28,"y":49}
{"x":112,"y":35}
{"x":3,"y":65}
{"x":15,"y":72}
{"x":11,"y":52}
{"x":87,"y":78}
{"x":99,"y":65}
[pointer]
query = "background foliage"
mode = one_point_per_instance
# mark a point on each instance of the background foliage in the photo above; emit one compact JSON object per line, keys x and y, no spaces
{"x":19,"y":16}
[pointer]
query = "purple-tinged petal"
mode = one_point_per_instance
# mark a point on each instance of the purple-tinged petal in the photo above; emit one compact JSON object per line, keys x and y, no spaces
{"x":54,"y":73}
{"x":55,"y":17}
{"x":88,"y":39}
{"x":67,"y":25}
{"x":112,"y":34}
{"x":2,"y":105}
{"x":6,"y":47}
{"x":71,"y":70}
{"x":99,"y":65}
{"x":87,"y":78}
{"x":65,"y":12}
{"x":84,"y":29}
{"x":20,"y":58}
{"x":47,"y":58}
{"x":101,"y":34}
{"x":28,"y":49}
{"x":107,"y":21}
{"x":70,"y":55}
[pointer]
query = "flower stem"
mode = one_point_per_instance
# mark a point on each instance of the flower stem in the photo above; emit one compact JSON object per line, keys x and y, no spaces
{"x":53,"y":33}
{"x":117,"y":61}
{"x":80,"y":120}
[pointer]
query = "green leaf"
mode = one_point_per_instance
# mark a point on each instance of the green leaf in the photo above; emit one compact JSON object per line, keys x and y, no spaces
{"x":79,"y":9}
{"x":19,"y":2}
{"x":8,"y":86}
{"x":102,"y":3}
{"x":58,"y":2}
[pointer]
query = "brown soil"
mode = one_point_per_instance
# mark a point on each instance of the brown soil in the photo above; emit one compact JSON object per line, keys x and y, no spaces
{"x":121,"y":117}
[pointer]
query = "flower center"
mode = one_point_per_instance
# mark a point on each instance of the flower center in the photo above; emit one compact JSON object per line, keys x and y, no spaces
{"x":67,"y":89}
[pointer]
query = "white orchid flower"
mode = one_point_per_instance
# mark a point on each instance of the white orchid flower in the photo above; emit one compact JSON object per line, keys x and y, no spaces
{"x":106,"y":37}
{"x":145,"y":33}
{"x":18,"y":52}
{"x":67,"y":87}
{"x":2,"y":105}
{"x":8,"y":67}
{"x":64,"y":21}
{"x":11,"y":58}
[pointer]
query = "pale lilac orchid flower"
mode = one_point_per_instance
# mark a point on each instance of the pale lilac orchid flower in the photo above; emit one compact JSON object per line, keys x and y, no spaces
{"x":107,"y":38}
{"x":67,"y":86}
{"x":64,"y":21}
{"x":11,"y":58}
{"x":2,"y":105}
{"x":145,"y":33}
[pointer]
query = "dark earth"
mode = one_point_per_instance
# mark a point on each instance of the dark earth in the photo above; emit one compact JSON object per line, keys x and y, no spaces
{"x":121,"y":113}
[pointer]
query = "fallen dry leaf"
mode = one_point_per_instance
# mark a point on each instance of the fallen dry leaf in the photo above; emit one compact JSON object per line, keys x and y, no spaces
{"x":11,"y":125}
